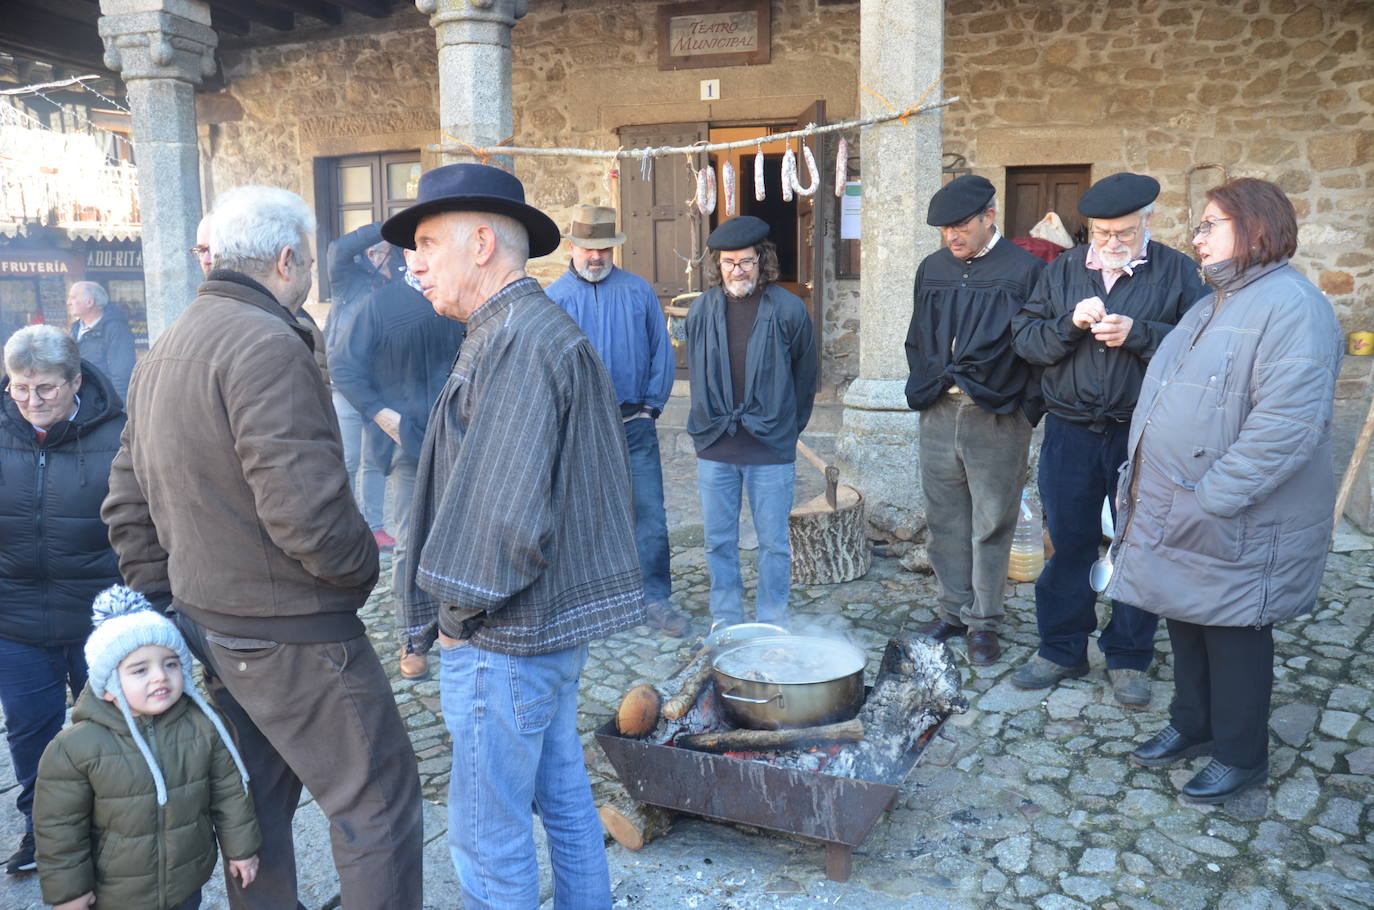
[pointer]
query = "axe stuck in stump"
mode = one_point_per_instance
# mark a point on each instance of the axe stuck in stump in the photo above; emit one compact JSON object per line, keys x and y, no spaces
{"x":829,"y":534}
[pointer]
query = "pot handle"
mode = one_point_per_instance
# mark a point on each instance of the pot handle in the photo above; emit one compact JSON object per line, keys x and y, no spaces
{"x":752,"y":701}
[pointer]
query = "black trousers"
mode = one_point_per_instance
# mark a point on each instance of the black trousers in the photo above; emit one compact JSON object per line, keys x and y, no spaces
{"x":1223,"y":677}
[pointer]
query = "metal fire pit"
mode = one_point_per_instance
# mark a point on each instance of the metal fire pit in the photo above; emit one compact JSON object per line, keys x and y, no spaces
{"x":837,"y":811}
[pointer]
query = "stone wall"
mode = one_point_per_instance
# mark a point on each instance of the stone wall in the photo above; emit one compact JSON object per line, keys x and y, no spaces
{"x":1268,"y":88}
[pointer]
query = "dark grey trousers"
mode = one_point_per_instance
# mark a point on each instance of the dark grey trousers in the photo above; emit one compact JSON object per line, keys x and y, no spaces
{"x":973,"y":468}
{"x":322,"y":716}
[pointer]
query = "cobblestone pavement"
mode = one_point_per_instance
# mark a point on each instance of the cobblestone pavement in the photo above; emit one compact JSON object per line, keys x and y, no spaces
{"x":1025,"y":801}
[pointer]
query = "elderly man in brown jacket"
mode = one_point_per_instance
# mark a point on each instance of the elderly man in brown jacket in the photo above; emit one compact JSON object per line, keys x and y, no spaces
{"x":229,"y":499}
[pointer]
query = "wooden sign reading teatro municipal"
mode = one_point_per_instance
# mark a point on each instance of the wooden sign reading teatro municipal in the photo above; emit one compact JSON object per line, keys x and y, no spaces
{"x":721,"y":33}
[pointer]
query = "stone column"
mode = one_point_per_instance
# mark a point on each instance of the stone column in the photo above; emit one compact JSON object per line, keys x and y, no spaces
{"x":901,"y":53}
{"x":474,"y":70}
{"x":162,"y":49}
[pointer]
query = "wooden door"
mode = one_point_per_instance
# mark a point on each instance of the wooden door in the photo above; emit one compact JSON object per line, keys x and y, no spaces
{"x":1033,"y":191}
{"x":663,"y":232}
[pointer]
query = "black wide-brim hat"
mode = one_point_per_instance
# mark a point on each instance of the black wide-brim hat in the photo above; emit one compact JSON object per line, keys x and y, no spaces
{"x":472,"y":188}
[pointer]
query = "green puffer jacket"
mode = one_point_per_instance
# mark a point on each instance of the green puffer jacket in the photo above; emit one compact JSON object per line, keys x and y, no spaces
{"x":96,"y":819}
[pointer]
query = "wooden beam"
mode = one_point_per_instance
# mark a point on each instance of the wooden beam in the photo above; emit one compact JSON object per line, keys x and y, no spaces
{"x":279,"y":19}
{"x":38,"y":33}
{"x":326,"y":12}
{"x":377,"y":9}
{"x":228,"y":22}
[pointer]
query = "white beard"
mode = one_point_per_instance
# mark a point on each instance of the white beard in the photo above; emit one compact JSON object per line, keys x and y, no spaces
{"x":593,"y":274}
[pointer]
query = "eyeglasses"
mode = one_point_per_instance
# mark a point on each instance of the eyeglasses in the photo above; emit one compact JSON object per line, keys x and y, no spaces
{"x":47,"y":391}
{"x":1125,"y":236}
{"x":742,"y":265}
{"x":199,"y":251}
{"x":1204,"y":228}
{"x":964,"y":226}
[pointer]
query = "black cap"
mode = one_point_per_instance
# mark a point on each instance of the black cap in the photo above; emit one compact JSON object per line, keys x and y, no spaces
{"x":738,"y":233}
{"x":472,"y":188}
{"x":1118,"y":195}
{"x":959,"y":200}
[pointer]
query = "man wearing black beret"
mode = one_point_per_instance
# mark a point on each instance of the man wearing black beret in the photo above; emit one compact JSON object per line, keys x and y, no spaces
{"x":1092,"y":324}
{"x":751,"y":358}
{"x":974,"y":395}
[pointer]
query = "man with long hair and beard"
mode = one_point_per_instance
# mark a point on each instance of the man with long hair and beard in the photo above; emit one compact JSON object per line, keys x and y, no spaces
{"x":751,"y":358}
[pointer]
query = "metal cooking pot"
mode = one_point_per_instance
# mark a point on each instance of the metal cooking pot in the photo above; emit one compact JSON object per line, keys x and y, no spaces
{"x":789,"y":681}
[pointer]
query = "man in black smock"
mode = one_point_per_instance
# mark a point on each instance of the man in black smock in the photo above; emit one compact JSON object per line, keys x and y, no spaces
{"x":1092,"y":324}
{"x":973,"y":393}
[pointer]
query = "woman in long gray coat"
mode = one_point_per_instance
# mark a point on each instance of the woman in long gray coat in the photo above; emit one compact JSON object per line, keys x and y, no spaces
{"x":1225,"y":504}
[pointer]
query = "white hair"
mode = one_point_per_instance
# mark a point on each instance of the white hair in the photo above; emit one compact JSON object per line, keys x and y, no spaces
{"x":92,"y":291}
{"x":512,"y":240}
{"x":251,"y":225}
{"x":1145,"y":212}
{"x":42,"y":349}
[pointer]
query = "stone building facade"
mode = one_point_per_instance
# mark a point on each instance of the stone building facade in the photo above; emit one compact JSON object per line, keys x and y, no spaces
{"x":1271,"y":88}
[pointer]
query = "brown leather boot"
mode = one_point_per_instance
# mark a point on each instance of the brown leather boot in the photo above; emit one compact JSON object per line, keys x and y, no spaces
{"x":984,"y":647}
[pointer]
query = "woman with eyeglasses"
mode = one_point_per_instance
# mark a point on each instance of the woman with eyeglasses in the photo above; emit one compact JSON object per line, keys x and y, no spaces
{"x":60,"y":421}
{"x":1225,"y":505}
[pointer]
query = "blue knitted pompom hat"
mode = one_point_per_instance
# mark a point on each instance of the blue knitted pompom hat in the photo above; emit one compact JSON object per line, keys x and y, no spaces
{"x":124,"y":622}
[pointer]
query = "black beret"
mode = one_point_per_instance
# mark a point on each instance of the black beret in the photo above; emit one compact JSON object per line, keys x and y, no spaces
{"x":1118,"y":195}
{"x":959,"y":199}
{"x":738,"y":233}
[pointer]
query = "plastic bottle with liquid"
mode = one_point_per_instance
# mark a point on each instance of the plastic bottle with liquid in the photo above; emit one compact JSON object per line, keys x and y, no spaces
{"x":1027,"y":544}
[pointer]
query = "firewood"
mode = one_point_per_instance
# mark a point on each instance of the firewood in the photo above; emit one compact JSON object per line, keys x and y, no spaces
{"x":633,"y":824}
{"x":762,"y":740}
{"x":693,"y":678}
{"x":638,"y":713}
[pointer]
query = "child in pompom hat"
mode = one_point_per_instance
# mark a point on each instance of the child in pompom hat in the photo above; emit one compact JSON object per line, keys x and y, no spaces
{"x":131,"y":797}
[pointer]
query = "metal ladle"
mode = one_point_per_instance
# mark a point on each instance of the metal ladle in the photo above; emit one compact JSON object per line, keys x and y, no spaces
{"x":1100,"y":574}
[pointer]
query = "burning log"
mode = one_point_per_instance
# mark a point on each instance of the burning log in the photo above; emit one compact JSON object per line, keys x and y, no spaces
{"x":765,"y":740}
{"x":693,"y":678}
{"x":918,"y":684}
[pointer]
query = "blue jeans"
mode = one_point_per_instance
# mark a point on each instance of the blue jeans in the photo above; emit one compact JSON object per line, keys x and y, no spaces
{"x":770,"y":488}
{"x":353,"y":430}
{"x":651,"y":522}
{"x":33,"y":690}
{"x":1077,"y":469}
{"x":513,"y":723}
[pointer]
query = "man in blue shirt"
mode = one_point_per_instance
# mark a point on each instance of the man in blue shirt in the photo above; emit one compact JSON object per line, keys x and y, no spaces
{"x":621,"y":316}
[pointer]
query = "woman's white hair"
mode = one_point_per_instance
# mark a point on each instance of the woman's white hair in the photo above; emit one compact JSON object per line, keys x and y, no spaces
{"x":251,"y":225}
{"x":42,"y":349}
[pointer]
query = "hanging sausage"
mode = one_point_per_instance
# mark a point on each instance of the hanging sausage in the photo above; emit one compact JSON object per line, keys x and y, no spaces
{"x":706,"y":190}
{"x":727,"y":180}
{"x":841,"y":167}
{"x":789,"y":174}
{"x":758,"y":175}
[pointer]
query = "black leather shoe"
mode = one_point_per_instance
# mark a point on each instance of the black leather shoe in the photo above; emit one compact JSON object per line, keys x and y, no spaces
{"x":1217,"y":783}
{"x":983,"y":647}
{"x":1168,"y":746}
{"x":940,"y":630}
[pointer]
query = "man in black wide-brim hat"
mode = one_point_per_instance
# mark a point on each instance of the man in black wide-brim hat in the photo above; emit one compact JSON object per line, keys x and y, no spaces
{"x":523,"y":536}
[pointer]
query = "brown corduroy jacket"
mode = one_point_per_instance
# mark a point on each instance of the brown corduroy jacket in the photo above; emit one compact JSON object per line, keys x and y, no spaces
{"x":229,"y":491}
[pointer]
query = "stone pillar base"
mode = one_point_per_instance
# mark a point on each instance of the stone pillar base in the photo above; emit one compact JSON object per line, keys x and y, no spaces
{"x":878,"y":444}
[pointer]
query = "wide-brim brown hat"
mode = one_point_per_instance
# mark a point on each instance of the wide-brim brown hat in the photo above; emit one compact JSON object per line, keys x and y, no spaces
{"x":594,"y":228}
{"x":472,"y":188}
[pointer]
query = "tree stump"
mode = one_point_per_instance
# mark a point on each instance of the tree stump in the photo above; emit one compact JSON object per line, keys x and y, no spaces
{"x":830,"y":546}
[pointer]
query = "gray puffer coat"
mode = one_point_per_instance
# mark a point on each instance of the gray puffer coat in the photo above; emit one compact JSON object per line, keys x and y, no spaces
{"x":1224,"y":507}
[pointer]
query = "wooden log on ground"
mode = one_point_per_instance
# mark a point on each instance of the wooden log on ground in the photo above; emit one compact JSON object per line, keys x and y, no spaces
{"x":830,"y":546}
{"x":632,"y":824}
{"x":764,"y":740}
